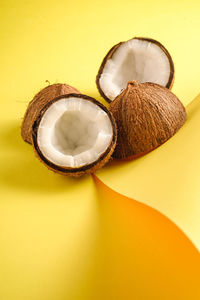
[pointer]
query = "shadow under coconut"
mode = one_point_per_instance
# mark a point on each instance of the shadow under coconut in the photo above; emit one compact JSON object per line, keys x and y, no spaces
{"x":115,"y":163}
{"x":20,"y":169}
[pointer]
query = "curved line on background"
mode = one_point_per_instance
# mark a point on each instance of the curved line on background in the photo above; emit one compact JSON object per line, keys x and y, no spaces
{"x":103,"y":186}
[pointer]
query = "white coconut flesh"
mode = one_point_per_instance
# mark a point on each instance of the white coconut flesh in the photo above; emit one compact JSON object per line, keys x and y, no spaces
{"x":74,"y":132}
{"x":138,"y":60}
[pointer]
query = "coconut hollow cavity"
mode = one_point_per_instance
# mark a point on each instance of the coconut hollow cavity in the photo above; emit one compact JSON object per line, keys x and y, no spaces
{"x":74,"y":134}
{"x":139,"y":59}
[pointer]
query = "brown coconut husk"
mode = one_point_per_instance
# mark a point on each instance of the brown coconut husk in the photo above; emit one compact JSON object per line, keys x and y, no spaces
{"x":147,"y":115}
{"x":37,"y":104}
{"x":86,"y":169}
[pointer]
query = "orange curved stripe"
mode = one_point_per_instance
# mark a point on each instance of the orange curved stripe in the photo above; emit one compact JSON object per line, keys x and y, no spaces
{"x":141,"y":247}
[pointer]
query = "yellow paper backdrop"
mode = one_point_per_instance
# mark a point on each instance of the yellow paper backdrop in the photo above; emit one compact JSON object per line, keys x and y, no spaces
{"x":59,"y":237}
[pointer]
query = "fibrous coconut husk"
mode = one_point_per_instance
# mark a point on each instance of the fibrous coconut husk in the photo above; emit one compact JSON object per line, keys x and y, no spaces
{"x":38,"y":102}
{"x":86,"y":169}
{"x":147,"y":115}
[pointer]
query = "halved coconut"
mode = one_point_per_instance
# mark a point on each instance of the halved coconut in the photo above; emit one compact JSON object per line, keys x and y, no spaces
{"x":147,"y":115}
{"x":74,"y":134}
{"x":139,"y":59}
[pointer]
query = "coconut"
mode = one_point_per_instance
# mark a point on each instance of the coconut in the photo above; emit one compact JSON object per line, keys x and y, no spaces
{"x":38,"y":102}
{"x":74,"y":134}
{"x":139,"y":59}
{"x":147,"y":115}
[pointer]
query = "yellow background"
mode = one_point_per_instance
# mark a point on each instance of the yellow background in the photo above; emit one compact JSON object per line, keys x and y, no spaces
{"x":62,"y":238}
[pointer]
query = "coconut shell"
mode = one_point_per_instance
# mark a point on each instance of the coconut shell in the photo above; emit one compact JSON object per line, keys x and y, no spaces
{"x":115,"y":47}
{"x":86,"y":169}
{"x":38,"y":102}
{"x":147,"y":115}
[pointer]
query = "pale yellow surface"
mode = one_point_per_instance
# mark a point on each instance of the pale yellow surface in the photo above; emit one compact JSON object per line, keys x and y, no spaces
{"x":48,"y":223}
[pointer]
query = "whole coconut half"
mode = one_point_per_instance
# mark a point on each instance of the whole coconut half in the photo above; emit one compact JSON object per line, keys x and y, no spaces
{"x":74,"y":135}
{"x":147,"y":115}
{"x":140,"y":59}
